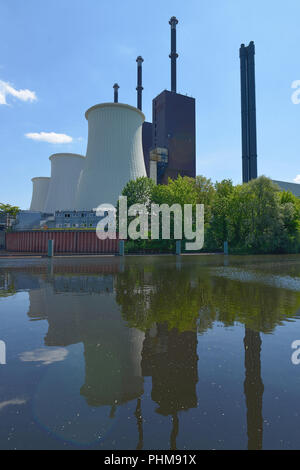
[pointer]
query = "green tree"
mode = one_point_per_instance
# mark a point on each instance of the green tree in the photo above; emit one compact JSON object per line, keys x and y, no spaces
{"x":179,"y":191}
{"x":219,"y":225}
{"x":8,"y":212}
{"x":290,"y":213}
{"x":261,"y":219}
{"x":7,"y":209}
{"x":139,"y":191}
{"x":264,"y":222}
{"x":205,"y":190}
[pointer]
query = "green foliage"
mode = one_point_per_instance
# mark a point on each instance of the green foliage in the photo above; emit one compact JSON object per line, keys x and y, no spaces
{"x":205,"y":195}
{"x":255,"y":217}
{"x":219,"y":224}
{"x":139,"y":191}
{"x":7,"y":209}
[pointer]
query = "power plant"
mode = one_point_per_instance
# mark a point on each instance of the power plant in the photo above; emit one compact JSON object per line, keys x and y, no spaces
{"x":122,"y":146}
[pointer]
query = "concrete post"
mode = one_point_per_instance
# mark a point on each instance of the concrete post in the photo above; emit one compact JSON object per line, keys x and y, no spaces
{"x":178,"y":247}
{"x":121,"y":247}
{"x":50,"y":248}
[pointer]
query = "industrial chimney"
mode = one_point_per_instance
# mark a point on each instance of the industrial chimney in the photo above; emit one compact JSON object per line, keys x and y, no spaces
{"x":173,"y":56}
{"x":248,"y":108}
{"x":139,"y":87}
{"x":116,"y":92}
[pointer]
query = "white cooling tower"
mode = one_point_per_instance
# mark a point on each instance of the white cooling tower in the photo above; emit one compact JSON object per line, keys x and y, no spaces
{"x":65,"y":172}
{"x":114,"y":154}
{"x":40,"y":186}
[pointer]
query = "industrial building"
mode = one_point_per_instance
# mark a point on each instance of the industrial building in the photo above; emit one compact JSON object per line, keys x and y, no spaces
{"x":28,"y":220}
{"x":294,"y":188}
{"x":123,"y":146}
{"x":73,"y":219}
{"x":174,"y":137}
{"x":171,"y":150}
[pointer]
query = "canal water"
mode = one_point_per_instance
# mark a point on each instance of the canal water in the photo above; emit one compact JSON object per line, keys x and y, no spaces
{"x":164,"y":352}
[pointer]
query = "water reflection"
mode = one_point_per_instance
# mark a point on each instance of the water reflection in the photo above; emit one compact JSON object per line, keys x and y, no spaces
{"x":112,"y":351}
{"x":170,"y":358}
{"x":254,"y":389}
{"x":145,"y":319}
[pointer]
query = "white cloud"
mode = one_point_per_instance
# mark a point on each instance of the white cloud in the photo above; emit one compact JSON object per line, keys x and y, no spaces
{"x":297,"y":179}
{"x":23,"y":95}
{"x":50,"y":137}
{"x":45,"y":356}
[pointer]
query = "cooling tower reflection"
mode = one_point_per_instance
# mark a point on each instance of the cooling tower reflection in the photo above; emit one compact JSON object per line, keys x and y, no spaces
{"x":112,"y":351}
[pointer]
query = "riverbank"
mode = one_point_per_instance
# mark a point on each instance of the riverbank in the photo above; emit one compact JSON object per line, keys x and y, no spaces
{"x":16,"y":255}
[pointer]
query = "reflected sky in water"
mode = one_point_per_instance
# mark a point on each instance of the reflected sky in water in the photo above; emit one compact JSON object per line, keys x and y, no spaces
{"x":150,"y":353}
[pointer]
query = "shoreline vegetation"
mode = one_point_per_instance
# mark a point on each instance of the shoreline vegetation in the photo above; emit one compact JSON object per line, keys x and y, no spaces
{"x":254,"y":218}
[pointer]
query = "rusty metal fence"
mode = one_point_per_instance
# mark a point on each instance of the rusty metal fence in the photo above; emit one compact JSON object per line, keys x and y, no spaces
{"x":64,"y":242}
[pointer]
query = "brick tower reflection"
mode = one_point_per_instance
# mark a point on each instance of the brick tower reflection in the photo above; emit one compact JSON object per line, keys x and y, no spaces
{"x":170,"y":358}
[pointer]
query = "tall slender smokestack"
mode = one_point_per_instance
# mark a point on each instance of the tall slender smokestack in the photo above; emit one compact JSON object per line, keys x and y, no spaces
{"x":252,"y":113}
{"x":173,"y":56}
{"x":139,"y":87}
{"x":116,"y":93}
{"x":244,"y":109}
{"x":248,"y":102}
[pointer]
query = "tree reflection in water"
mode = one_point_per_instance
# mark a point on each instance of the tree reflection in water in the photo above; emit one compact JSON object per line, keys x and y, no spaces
{"x":143,"y":318}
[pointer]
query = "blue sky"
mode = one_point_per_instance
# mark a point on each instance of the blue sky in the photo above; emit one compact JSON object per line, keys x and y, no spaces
{"x":59,"y":57}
